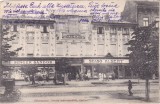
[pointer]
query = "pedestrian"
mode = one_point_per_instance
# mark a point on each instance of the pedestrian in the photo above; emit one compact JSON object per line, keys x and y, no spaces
{"x":47,"y":78}
{"x":130,"y":87}
{"x":32,"y":79}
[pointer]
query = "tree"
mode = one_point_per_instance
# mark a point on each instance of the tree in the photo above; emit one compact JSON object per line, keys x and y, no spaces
{"x":6,"y":51}
{"x":144,"y":52}
{"x":30,"y":71}
{"x":62,"y":66}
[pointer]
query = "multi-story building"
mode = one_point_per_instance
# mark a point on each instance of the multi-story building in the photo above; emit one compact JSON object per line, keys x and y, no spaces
{"x":144,"y":12}
{"x":88,"y":45}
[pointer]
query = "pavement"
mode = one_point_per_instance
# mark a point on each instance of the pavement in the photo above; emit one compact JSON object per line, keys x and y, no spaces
{"x":86,"y":92}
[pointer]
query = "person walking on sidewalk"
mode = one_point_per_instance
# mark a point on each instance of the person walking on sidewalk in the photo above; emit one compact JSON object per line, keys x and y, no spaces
{"x":130,"y":87}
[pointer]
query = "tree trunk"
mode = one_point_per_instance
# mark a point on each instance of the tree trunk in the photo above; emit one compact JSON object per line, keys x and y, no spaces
{"x":33,"y":79}
{"x":147,"y":90}
{"x":1,"y":72}
{"x":55,"y":78}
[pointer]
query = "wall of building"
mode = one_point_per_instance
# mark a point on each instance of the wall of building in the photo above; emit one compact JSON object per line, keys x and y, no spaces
{"x":135,"y":11}
{"x":70,"y":36}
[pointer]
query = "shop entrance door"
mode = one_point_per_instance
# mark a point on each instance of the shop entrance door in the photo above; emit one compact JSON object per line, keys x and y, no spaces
{"x":74,"y":72}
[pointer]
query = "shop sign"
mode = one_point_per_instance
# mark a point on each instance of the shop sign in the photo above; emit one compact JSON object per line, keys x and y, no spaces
{"x":105,"y":61}
{"x":31,"y":62}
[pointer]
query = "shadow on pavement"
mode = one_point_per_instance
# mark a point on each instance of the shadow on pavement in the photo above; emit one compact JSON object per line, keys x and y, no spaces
{"x":126,"y":96}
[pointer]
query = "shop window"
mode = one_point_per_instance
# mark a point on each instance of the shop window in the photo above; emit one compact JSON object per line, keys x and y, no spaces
{"x":100,"y":30}
{"x":15,"y":28}
{"x":157,"y":22}
{"x":145,"y":21}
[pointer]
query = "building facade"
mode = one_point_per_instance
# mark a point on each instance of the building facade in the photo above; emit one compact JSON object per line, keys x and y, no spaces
{"x":145,"y":12}
{"x":87,"y":44}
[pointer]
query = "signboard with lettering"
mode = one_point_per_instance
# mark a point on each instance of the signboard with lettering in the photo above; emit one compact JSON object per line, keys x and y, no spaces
{"x":31,"y":62}
{"x":105,"y":61}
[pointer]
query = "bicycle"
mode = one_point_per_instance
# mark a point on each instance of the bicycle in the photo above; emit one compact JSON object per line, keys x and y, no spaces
{"x":11,"y":95}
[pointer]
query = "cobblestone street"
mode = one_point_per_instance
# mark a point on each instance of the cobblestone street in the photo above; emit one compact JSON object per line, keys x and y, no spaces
{"x":93,"y":91}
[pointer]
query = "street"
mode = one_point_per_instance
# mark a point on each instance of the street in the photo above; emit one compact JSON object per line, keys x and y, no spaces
{"x":93,"y":91}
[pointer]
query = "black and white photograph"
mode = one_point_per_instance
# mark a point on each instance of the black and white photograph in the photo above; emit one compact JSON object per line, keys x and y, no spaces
{"x":79,"y":52}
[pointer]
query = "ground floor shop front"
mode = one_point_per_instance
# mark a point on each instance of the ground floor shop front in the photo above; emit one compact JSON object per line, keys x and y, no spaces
{"x":79,"y":68}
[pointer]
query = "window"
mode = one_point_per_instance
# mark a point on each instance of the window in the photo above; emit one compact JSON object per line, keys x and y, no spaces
{"x":125,"y":31}
{"x":30,"y":49}
{"x":45,"y":29}
{"x":73,"y":27}
{"x":145,"y":21}
{"x":22,"y":26}
{"x":84,"y":26}
{"x":61,"y":26}
{"x":113,"y":49}
{"x":73,"y":49}
{"x":44,"y":49}
{"x":30,"y":28}
{"x":125,"y":49}
{"x":37,"y":26}
{"x":113,"y":30}
{"x":15,"y":28}
{"x":125,"y":38}
{"x":157,"y":22}
{"x":52,"y":26}
{"x":45,"y":38}
{"x":100,"y":30}
{"x":59,"y":50}
{"x":30,"y":37}
{"x":113,"y":38}
{"x":100,"y":49}
{"x":16,"y":39}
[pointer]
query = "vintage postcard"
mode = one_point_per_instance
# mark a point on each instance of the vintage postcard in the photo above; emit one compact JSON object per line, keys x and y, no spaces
{"x":79,"y":51}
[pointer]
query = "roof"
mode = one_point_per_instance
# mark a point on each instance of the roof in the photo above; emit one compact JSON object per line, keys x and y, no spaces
{"x":147,"y":3}
{"x":117,"y":22}
{"x":27,"y":21}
